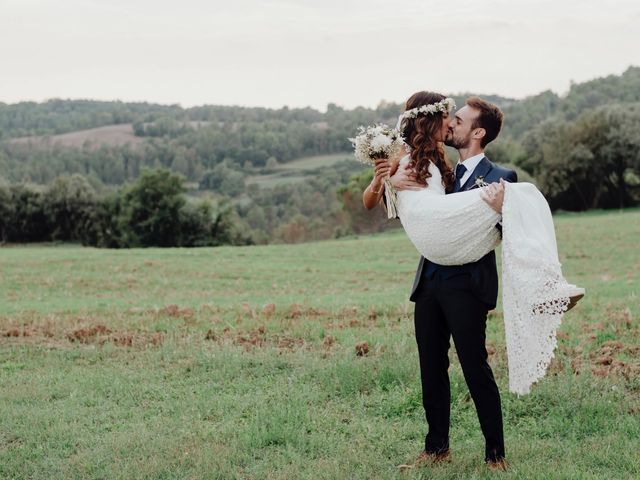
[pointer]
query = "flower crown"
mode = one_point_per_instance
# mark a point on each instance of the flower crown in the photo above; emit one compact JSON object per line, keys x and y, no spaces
{"x":445,"y":105}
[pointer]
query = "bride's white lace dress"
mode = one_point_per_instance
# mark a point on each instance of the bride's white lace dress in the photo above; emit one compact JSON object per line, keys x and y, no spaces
{"x":461,"y":228}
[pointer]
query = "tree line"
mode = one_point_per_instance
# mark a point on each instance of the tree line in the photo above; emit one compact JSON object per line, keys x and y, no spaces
{"x":152,"y":211}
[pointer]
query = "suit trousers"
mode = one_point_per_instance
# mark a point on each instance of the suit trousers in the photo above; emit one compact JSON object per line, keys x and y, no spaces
{"x":445,"y":308}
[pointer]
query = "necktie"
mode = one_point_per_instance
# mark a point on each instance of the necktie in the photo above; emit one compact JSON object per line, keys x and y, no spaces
{"x":460,"y":170}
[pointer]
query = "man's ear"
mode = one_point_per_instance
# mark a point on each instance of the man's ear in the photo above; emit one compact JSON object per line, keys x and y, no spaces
{"x":479,"y":133}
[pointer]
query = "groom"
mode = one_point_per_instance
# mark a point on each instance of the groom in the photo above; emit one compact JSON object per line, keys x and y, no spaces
{"x":453,"y":301}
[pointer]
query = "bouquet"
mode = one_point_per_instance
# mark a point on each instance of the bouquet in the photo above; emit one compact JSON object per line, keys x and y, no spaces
{"x":377,"y":141}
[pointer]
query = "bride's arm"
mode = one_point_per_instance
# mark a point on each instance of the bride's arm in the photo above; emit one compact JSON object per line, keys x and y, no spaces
{"x":373,"y":193}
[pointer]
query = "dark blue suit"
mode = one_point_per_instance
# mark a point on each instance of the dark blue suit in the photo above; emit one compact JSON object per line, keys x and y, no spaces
{"x":453,"y":301}
{"x":483,"y":272}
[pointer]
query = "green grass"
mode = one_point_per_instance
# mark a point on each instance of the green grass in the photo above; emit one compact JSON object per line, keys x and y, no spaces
{"x":272,"y":180}
{"x":315,"y":162}
{"x":165,"y":363}
{"x":298,"y":170}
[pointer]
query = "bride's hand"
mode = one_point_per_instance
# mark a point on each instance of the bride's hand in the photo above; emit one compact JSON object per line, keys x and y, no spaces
{"x":494,"y":195}
{"x":405,"y":179}
{"x":382,"y":169}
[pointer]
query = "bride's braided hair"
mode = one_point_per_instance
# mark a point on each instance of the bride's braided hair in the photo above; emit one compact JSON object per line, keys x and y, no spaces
{"x":419,"y":133}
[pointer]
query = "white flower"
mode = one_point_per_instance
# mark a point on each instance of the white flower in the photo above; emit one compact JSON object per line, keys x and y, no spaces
{"x":376,"y":141}
{"x":380,"y":141}
{"x":445,"y":105}
{"x":479,"y":182}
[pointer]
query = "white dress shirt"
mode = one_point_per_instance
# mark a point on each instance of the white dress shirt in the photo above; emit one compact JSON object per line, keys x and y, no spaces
{"x":470,"y":164}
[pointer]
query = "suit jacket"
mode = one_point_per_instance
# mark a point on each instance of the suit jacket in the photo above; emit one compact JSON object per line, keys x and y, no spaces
{"x":483,"y":273}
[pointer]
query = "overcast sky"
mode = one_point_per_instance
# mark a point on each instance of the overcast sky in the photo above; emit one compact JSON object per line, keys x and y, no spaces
{"x":307,"y":52}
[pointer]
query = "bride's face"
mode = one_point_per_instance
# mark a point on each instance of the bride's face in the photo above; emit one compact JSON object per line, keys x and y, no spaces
{"x":444,"y":128}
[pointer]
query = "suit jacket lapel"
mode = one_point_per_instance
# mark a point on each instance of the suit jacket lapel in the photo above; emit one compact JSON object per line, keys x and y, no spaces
{"x":482,"y":170}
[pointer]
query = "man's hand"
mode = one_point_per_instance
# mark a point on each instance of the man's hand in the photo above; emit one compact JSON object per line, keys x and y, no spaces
{"x":405,"y":179}
{"x":494,"y":195}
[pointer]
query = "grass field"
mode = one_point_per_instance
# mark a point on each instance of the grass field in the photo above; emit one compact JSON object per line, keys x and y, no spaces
{"x":112,"y":135}
{"x":298,"y":170}
{"x":241,"y":363}
{"x":312,"y":163}
{"x":271,"y":180}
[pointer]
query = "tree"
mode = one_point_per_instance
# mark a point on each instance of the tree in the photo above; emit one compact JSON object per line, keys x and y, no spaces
{"x":6,"y":210}
{"x":223,"y":180}
{"x":360,"y":219}
{"x":69,"y":204}
{"x":206,"y":222}
{"x":29,"y":220}
{"x":150,"y":211}
{"x":592,"y":162}
{"x":271,"y":165}
{"x":106,"y":231}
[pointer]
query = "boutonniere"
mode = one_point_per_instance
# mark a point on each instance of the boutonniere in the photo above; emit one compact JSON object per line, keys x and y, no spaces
{"x":479,"y":182}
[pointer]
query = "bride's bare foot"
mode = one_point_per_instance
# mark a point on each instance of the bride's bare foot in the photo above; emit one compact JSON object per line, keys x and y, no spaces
{"x":574,"y":300}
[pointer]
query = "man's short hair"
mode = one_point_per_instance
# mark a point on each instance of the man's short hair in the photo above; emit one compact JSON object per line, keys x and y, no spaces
{"x":490,"y":118}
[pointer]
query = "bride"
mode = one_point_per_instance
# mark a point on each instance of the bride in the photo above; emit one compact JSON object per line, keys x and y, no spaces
{"x":464,"y":227}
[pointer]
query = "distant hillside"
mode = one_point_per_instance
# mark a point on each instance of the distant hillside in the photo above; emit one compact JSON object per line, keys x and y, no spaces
{"x":523,"y":115}
{"x":112,"y":141}
{"x":288,"y":175}
{"x":61,"y":116}
{"x":112,"y":135}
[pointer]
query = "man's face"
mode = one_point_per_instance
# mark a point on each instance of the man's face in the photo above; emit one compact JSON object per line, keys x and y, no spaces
{"x":460,"y":128}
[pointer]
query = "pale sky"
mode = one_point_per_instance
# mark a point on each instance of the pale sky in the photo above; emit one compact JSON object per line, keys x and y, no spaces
{"x":307,"y":52}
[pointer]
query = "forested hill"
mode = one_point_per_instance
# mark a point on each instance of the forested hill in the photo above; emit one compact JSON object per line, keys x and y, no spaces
{"x":287,"y":172}
{"x":192,"y":141}
{"x":61,"y":116}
